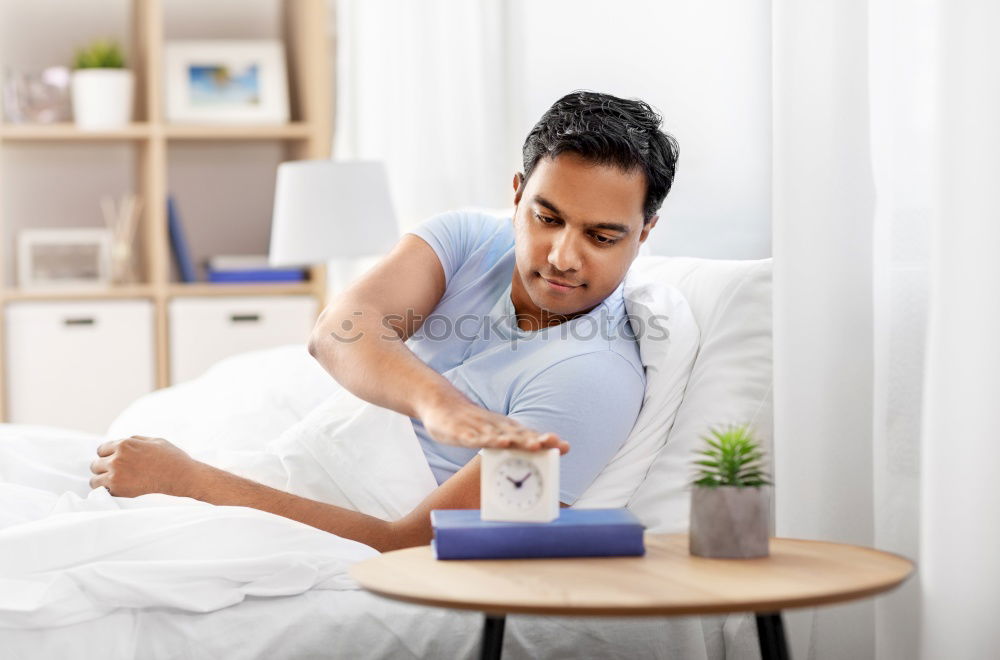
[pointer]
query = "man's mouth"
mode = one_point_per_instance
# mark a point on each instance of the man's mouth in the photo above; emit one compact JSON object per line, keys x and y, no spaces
{"x":559,"y":285}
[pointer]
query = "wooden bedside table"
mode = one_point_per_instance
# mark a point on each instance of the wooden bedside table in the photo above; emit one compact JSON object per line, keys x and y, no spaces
{"x":668,"y":581}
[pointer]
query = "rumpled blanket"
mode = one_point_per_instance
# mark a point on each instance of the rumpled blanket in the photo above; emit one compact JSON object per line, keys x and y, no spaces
{"x":70,"y":554}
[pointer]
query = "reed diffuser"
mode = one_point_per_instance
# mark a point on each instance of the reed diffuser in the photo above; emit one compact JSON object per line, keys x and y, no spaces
{"x":122,"y":219}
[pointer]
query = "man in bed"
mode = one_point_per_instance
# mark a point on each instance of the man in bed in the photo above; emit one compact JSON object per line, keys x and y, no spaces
{"x":486,"y":332}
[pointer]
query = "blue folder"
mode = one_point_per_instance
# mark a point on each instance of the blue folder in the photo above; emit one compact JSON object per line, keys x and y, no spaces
{"x":177,"y":240}
{"x":462,"y":534}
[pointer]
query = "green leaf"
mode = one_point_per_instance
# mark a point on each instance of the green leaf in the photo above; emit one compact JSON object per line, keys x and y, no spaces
{"x":101,"y":54}
{"x":731,"y":457}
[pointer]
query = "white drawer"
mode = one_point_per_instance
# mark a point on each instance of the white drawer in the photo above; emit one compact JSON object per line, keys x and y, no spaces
{"x":77,"y":364}
{"x":206,"y":330}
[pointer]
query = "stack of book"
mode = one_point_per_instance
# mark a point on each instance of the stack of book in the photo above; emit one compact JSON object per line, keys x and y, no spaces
{"x":462,"y":534}
{"x":250,"y":268}
{"x":225,"y":268}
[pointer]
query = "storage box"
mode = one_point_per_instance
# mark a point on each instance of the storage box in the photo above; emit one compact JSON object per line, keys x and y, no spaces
{"x":77,"y":364}
{"x":206,"y":330}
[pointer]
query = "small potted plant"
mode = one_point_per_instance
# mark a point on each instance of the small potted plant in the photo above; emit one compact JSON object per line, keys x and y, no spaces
{"x":102,"y":87}
{"x":730,"y":501}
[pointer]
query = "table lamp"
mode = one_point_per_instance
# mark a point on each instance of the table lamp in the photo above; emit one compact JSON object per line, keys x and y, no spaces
{"x":326,"y":209}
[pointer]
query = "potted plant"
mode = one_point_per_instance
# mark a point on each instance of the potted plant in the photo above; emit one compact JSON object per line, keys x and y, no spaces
{"x":102,"y":87}
{"x":730,"y":501}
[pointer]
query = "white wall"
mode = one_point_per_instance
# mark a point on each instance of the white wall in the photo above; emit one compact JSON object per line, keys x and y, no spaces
{"x":704,"y":65}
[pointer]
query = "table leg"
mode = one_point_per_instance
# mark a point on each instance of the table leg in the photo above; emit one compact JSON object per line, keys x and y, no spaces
{"x":771,"y":635}
{"x":492,"y":636}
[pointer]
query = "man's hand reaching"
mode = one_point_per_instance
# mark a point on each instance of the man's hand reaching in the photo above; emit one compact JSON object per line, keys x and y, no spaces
{"x":139,"y":465}
{"x":461,"y":422}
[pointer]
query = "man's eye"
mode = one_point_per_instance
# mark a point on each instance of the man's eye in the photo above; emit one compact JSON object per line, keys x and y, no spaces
{"x":545,"y":220}
{"x":604,"y":240}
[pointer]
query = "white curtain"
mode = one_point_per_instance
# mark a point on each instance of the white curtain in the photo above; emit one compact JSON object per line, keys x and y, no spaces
{"x":960,"y":536}
{"x":887,"y":313}
{"x":421,"y":86}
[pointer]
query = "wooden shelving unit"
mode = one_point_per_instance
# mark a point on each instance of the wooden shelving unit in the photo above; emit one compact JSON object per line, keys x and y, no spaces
{"x":205,"y":289}
{"x":69,"y":133}
{"x":292,"y":131}
{"x":118,"y":292}
{"x":308,"y":135}
{"x":142,"y":131}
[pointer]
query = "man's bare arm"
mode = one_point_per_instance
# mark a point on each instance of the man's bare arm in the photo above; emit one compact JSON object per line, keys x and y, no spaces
{"x":461,"y":491}
{"x":139,"y":465}
{"x":359,"y":339}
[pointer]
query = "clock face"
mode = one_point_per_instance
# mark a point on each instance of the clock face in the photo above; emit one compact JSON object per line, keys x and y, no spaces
{"x":518,"y":483}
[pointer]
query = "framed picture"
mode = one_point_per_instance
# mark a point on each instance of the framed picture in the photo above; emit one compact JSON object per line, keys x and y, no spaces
{"x":63,"y":257}
{"x":226,"y":82}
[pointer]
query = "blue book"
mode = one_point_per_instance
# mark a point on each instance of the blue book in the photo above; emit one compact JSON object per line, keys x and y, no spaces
{"x":177,"y":240}
{"x":257,"y":275}
{"x":462,"y":534}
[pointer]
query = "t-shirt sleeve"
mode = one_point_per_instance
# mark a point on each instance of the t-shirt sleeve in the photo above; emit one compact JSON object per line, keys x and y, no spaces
{"x":454,"y":236}
{"x":591,"y":401}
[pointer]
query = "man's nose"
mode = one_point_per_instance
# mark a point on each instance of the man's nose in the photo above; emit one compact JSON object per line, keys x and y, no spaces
{"x":564,"y":255}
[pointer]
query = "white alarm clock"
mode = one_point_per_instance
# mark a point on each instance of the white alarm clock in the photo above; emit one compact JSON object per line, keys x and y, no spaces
{"x":520,"y":486}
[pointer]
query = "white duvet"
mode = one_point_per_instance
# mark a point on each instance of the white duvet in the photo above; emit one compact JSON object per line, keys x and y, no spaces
{"x":69,"y":554}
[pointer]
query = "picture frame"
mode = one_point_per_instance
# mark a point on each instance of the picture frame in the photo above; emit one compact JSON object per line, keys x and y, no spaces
{"x":63,"y":258}
{"x":226,"y":82}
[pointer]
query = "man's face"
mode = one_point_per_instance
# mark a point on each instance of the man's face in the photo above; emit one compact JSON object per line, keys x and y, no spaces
{"x":577,"y":228}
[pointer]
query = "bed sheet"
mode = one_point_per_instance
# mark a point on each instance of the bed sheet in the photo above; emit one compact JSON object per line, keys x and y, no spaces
{"x":355,"y":624}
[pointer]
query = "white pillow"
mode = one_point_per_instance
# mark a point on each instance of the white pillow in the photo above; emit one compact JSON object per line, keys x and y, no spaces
{"x":241,"y":402}
{"x":668,"y":342}
{"x":730,"y":381}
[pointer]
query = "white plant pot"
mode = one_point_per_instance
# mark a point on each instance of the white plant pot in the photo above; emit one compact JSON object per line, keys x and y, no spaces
{"x":102,"y":98}
{"x":729,"y":522}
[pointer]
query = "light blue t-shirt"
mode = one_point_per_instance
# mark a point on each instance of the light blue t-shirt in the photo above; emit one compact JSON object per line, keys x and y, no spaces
{"x":581,"y":380}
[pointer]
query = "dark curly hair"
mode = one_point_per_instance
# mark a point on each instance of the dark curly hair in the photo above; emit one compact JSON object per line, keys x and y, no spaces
{"x":611,"y":131}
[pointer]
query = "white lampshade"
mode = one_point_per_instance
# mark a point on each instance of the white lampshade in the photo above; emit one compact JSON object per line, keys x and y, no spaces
{"x":325,"y":209}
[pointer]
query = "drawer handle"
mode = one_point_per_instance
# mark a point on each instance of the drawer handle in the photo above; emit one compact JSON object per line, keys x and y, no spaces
{"x":244,"y":318}
{"x":79,"y":321}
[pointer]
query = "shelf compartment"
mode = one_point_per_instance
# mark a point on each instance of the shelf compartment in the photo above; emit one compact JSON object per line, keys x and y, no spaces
{"x":68,"y":132}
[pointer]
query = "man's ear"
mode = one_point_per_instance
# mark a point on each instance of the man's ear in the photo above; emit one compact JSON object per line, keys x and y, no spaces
{"x":518,"y":187}
{"x":646,"y":228}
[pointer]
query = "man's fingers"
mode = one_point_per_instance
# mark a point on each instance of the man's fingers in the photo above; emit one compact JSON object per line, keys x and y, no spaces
{"x":107,"y":448}
{"x":561,"y":445}
{"x":99,"y":465}
{"x":522,"y":437}
{"x":97,"y":481}
{"x":533,"y":441}
{"x":496,"y":431}
{"x":551,"y":441}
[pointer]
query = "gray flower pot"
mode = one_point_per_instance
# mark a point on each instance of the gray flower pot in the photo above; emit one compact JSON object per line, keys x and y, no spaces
{"x":729,"y":522}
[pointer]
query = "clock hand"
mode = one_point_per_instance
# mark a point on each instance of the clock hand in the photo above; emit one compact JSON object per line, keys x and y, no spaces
{"x":518,"y":484}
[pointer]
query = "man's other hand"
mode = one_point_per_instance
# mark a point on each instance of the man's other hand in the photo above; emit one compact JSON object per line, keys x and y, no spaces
{"x":467,"y":425}
{"x":139,"y":465}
